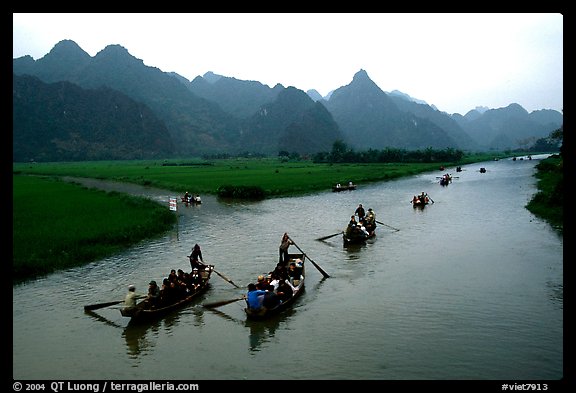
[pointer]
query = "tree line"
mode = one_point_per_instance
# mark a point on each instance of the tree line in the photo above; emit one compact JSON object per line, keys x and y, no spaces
{"x":341,"y":153}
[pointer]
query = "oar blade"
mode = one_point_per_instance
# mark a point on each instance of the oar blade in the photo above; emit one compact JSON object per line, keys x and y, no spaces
{"x":222,"y":303}
{"x":381,"y":223}
{"x":329,"y":236}
{"x":102,"y":305}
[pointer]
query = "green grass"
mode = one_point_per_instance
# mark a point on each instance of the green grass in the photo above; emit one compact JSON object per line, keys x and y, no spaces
{"x":275,"y":177}
{"x":57,"y":225}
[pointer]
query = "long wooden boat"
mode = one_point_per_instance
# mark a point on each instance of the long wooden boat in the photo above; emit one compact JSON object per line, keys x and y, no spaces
{"x":420,"y":201}
{"x":348,"y":187}
{"x":445,"y":180}
{"x":191,"y":200}
{"x":263,"y":312}
{"x":143,"y":311}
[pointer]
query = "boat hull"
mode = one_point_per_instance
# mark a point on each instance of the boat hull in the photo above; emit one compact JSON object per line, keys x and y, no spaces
{"x":142,"y":312}
{"x":343,"y":188}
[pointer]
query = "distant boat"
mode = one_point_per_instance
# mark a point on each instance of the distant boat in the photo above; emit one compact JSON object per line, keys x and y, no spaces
{"x":420,"y":200}
{"x":349,"y":187}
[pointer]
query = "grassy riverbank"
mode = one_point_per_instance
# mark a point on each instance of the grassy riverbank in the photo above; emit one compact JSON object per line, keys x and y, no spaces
{"x":68,"y":225}
{"x":548,"y":202}
{"x":57,"y":225}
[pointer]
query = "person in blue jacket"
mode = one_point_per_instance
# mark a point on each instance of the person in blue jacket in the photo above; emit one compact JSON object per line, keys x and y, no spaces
{"x":255,"y":297}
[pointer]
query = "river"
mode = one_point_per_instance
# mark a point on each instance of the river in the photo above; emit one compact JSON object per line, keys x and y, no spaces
{"x":468,"y":288}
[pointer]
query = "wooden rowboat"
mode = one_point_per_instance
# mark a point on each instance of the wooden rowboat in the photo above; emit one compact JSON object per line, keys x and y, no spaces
{"x":357,"y":236}
{"x":191,"y":200}
{"x":263,"y":312}
{"x":420,"y":200}
{"x":349,"y":187}
{"x":143,"y":311}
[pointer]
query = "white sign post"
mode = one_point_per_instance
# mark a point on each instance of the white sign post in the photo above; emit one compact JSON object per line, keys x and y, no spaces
{"x":173,"y":205}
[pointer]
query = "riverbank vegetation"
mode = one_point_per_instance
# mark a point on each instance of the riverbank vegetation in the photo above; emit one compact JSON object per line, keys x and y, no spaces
{"x":548,"y":202}
{"x":58,"y":225}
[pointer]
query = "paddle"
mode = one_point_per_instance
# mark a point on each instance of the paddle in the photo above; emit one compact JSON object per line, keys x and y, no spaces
{"x":432,"y":200}
{"x":225,"y":278}
{"x":102,"y":305}
{"x":314,"y":263}
{"x":381,"y":223}
{"x":223,"y":302}
{"x":329,"y":236}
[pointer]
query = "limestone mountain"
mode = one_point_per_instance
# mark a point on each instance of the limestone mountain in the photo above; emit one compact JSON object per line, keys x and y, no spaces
{"x":63,"y":122}
{"x":369,"y":118}
{"x":295,"y":122}
{"x":441,"y":119}
{"x":195,"y":124}
{"x":215,"y":114}
{"x":511,"y":127}
{"x":237,"y":97}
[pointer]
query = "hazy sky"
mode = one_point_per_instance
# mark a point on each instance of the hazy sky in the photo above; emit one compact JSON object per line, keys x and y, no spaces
{"x":453,"y":61}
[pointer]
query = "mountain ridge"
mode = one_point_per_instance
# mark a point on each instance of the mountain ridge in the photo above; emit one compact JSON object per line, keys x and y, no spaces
{"x":218,"y":114}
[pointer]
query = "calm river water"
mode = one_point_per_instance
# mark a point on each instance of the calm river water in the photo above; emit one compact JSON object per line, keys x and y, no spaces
{"x":469,"y":288}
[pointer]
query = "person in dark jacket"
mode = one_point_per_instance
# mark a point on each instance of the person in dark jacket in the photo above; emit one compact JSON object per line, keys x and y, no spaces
{"x":284,"y":244}
{"x":360,"y":212}
{"x":196,"y":260}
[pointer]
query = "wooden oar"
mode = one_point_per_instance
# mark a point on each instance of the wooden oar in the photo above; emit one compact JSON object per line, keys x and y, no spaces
{"x":225,"y":278}
{"x":223,"y":302}
{"x":314,"y":263}
{"x":329,"y":236}
{"x":102,"y":305}
{"x":381,"y":223}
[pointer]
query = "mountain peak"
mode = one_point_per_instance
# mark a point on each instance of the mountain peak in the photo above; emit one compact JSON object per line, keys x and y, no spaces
{"x":363,"y":81}
{"x":211,"y":77}
{"x":361,"y":75}
{"x":67,"y":49}
{"x":114,"y":49}
{"x":117,"y":54}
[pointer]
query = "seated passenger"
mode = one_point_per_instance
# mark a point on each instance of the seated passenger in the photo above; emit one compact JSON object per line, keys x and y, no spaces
{"x":295,"y":273}
{"x":261,"y":283}
{"x":153,"y":294}
{"x":254,"y":297}
{"x":271,"y":299}
{"x":284,"y":290}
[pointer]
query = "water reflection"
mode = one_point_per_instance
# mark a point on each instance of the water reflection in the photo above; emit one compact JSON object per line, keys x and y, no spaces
{"x":102,"y":319}
{"x":137,"y":338}
{"x":262,"y":332}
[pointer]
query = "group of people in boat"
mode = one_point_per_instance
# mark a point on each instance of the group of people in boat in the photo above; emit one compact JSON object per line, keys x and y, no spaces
{"x":278,"y":285}
{"x":350,"y":185}
{"x":189,"y":198}
{"x":420,"y":200}
{"x":445,"y":179}
{"x":176,"y":286}
{"x":364,"y":226}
